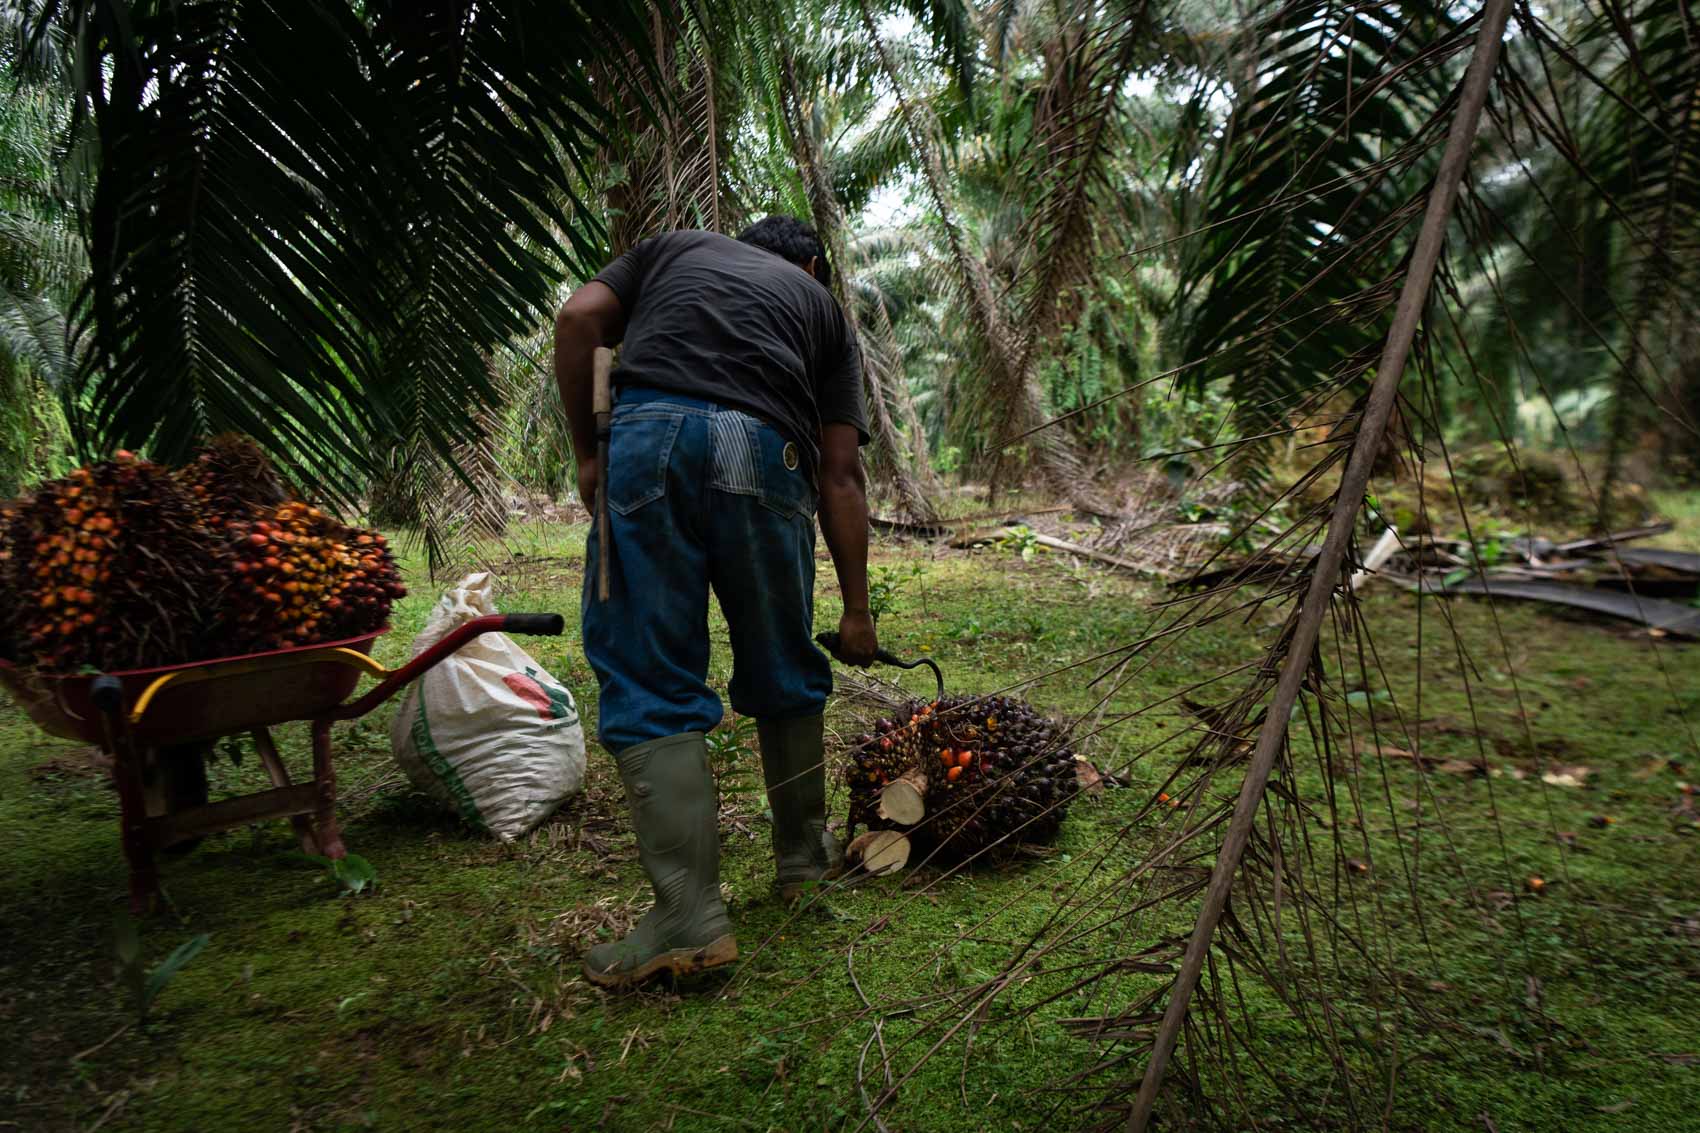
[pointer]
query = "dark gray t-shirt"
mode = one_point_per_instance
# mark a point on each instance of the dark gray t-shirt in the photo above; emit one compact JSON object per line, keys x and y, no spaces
{"x":731,"y":323}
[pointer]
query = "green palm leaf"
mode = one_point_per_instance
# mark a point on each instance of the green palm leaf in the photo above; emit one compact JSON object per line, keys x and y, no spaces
{"x":1324,"y":156}
{"x":314,"y":220}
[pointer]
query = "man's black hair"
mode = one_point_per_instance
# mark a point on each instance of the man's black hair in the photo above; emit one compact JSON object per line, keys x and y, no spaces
{"x":790,"y":238}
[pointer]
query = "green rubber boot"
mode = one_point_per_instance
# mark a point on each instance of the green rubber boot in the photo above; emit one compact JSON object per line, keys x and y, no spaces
{"x":673,"y":810}
{"x":792,"y":760}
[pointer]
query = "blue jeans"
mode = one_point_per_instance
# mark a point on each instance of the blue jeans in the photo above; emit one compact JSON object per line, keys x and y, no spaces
{"x":701,"y":496}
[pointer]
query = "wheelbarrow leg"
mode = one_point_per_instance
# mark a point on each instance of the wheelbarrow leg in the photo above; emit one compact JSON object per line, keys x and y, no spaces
{"x":324,"y":818}
{"x":273,"y":763}
{"x":133,"y":814}
{"x":108,"y":697}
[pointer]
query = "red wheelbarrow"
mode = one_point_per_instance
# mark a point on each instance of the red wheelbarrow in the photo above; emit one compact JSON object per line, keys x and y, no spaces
{"x":157,"y":725}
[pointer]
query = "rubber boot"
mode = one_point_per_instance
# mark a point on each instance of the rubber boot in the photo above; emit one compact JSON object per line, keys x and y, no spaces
{"x":792,"y":760}
{"x":674,"y":813}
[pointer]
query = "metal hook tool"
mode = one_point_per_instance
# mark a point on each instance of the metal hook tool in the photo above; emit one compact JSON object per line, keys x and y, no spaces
{"x":829,"y":642}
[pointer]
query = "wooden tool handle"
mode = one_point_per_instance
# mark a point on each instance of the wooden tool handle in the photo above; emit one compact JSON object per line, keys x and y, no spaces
{"x":602,"y":404}
{"x":601,"y":394}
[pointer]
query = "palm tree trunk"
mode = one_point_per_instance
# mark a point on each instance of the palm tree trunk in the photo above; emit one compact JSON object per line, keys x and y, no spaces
{"x":911,"y":477}
{"x":1651,"y":295}
{"x":903,"y":404}
{"x":1009,"y":383}
{"x":673,"y":176}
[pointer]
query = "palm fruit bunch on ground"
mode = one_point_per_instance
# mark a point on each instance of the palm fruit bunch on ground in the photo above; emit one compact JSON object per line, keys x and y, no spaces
{"x":110,"y":567}
{"x":127,"y":564}
{"x":963,"y":774}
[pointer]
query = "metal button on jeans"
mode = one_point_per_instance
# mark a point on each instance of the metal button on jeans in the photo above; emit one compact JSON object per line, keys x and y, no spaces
{"x":790,"y":457}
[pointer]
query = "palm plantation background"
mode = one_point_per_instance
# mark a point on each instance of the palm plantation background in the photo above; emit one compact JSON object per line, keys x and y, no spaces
{"x":1138,"y":259}
{"x":342,"y":228}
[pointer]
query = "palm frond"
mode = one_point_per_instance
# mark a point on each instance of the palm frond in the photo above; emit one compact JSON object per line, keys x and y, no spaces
{"x":314,"y":219}
{"x":1326,"y":153}
{"x":1643,"y":152}
{"x":32,"y":336}
{"x":1076,"y":129}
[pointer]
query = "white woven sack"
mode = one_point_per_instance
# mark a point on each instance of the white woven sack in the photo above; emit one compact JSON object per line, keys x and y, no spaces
{"x":488,"y":731}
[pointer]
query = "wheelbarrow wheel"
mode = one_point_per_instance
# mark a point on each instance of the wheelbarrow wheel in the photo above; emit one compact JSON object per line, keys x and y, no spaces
{"x":178,"y":782}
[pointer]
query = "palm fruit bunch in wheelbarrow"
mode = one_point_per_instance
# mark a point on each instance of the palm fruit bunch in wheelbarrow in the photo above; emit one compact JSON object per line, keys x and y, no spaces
{"x":126,"y":564}
{"x":300,"y":576}
{"x":962,"y":775}
{"x":107,"y":568}
{"x":303,"y":577}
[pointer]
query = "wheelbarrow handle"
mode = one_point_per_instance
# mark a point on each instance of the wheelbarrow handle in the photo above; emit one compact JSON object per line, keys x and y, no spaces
{"x":107,"y":693}
{"x":538,"y":625}
{"x":453,"y":640}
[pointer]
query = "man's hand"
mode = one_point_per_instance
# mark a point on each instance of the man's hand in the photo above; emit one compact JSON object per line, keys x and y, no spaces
{"x":589,"y":476}
{"x":857,"y":640}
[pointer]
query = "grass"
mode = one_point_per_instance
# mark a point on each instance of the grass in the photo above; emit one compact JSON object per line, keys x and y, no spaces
{"x":449,"y":997}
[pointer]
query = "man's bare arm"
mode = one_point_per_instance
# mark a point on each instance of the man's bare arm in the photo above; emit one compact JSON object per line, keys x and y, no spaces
{"x":592,"y":317}
{"x":844,"y":522}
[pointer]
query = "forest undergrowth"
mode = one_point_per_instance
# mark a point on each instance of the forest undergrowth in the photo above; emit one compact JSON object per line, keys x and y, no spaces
{"x":447,"y":997}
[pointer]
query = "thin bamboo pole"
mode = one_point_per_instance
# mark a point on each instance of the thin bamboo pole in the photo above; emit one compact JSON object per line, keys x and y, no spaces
{"x":1371,"y":429}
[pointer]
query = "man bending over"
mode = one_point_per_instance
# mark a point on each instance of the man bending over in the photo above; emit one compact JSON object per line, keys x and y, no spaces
{"x":738,"y":412}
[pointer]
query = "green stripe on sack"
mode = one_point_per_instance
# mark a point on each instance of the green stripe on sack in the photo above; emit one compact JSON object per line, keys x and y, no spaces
{"x":446,"y":775}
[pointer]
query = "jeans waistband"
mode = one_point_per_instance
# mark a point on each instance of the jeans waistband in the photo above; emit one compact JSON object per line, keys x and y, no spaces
{"x":641,"y":395}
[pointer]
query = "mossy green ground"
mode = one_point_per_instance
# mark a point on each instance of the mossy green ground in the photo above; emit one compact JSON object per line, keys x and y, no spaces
{"x":449,"y":998}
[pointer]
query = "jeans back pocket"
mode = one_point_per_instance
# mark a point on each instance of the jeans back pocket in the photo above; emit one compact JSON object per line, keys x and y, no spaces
{"x":785,"y":484}
{"x":639,"y":448}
